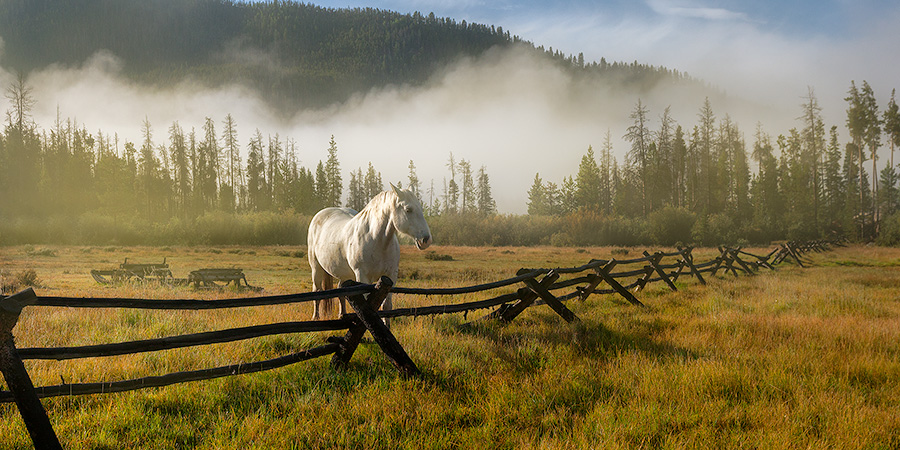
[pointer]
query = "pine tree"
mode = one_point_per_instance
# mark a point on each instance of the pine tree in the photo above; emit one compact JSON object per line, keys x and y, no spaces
{"x":537,"y":204}
{"x":334,"y":184}
{"x":587,"y":182}
{"x":892,"y":124}
{"x":813,"y":149}
{"x":606,"y":194}
{"x":451,"y":189}
{"x":372,"y":183}
{"x":639,"y":155}
{"x":486,"y":204}
{"x":256,"y":182}
{"x":661,"y":182}
{"x":181,"y":173}
{"x":467,"y":192}
{"x":679,"y":167}
{"x":856,"y":125}
{"x":704,"y":141}
{"x":872,"y":138}
{"x":321,"y":185}
{"x":414,"y":182}
{"x":233,"y":164}
{"x":767,"y":196}
{"x":356,"y":192}
{"x":835,"y":192}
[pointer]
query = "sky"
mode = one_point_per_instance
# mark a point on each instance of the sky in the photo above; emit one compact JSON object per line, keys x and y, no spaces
{"x":517,"y":116}
{"x":762,"y":49}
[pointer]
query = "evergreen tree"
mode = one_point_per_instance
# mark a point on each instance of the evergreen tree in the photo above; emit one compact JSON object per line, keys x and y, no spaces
{"x":639,"y":155}
{"x":467,"y":192}
{"x":356,"y":195}
{"x":679,"y":167}
{"x":233,"y":164}
{"x":256,"y":182}
{"x":892,"y":124}
{"x":372,"y":183}
{"x":587,"y":182}
{"x":871,"y":137}
{"x":178,"y":152}
{"x":563,"y":200}
{"x":606,"y":194}
{"x":537,"y":200}
{"x":705,"y":176}
{"x":414,"y":182}
{"x":835,"y":191}
{"x":767,"y":197}
{"x":813,"y":149}
{"x":485,"y":202}
{"x":333,"y":183}
{"x":661,"y":182}
{"x":451,"y":189}
{"x":856,"y":125}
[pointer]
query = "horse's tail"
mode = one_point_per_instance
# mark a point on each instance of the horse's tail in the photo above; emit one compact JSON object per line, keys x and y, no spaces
{"x":328,"y":303}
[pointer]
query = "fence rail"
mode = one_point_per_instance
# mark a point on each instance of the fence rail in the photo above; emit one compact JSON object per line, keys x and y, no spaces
{"x":537,"y":288}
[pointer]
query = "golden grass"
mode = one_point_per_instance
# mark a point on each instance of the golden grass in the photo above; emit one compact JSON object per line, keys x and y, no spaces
{"x":798,"y":358}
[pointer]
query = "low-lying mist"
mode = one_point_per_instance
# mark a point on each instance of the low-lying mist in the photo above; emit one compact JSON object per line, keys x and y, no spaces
{"x":513,"y":111}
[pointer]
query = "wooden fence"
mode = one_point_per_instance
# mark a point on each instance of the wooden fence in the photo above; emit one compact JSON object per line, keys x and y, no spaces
{"x":537,"y":288}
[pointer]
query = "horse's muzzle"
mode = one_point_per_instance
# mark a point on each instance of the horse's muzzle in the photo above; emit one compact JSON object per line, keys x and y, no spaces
{"x":423,"y":243}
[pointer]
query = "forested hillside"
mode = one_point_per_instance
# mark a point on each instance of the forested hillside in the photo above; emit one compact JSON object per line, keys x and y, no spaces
{"x":297,"y":55}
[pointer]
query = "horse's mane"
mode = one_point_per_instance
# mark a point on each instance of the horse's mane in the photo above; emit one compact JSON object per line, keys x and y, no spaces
{"x":376,"y":203}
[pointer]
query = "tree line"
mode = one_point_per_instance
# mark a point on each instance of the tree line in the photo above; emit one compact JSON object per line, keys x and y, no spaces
{"x":703,"y":185}
{"x":191,"y":175}
{"x":697,"y":184}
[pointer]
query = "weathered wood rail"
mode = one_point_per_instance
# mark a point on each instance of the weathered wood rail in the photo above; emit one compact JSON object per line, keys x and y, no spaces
{"x":537,"y":287}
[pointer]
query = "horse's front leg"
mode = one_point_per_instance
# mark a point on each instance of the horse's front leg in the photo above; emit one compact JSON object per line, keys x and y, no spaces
{"x":388,"y":304}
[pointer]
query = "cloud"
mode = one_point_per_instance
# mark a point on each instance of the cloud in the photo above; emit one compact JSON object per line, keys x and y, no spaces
{"x":670,"y":8}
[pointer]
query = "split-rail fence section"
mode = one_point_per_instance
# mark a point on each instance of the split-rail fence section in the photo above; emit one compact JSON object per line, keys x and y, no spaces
{"x":537,"y":288}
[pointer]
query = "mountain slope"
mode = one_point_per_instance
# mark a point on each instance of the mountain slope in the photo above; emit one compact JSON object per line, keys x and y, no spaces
{"x":297,"y":55}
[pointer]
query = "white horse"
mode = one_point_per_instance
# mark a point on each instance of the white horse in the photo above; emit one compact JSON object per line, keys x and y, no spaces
{"x":346,"y":245}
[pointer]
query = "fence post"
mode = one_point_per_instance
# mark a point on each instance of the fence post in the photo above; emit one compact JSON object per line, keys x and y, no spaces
{"x":729,"y":261}
{"x":792,"y":252}
{"x":642,"y":282}
{"x":735,"y":253}
{"x":662,"y":273}
{"x":688,"y":257}
{"x":594,"y":280}
{"x":32,"y":411}
{"x":603,"y":272}
{"x":551,"y":300}
{"x":355,"y":333}
{"x":526,"y":298}
{"x":380,"y":332}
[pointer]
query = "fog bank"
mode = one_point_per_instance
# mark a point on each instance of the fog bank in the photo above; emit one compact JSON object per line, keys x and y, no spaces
{"x":509,"y":110}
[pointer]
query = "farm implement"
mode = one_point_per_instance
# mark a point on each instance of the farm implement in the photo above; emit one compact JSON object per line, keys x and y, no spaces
{"x":135,"y":272}
{"x":160,"y":273}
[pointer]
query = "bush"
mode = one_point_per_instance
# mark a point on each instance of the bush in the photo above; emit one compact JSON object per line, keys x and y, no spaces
{"x":434,"y":256}
{"x":670,"y":225}
{"x":890,"y":231}
{"x":9,"y":284}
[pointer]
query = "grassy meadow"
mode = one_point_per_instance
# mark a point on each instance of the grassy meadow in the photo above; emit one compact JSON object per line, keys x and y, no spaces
{"x":796,"y":358}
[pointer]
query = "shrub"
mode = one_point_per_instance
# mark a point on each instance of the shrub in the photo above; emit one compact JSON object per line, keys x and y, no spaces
{"x":670,"y":225}
{"x":434,"y":256}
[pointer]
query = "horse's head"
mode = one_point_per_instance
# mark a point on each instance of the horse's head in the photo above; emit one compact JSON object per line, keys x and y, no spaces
{"x":409,"y":219}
